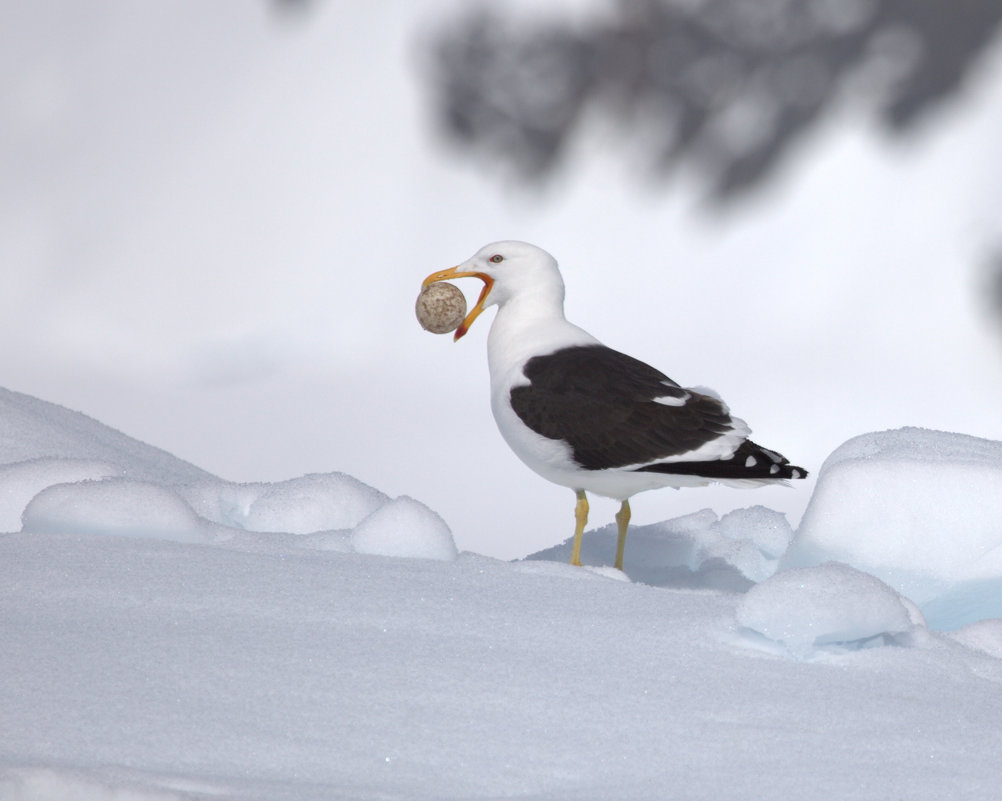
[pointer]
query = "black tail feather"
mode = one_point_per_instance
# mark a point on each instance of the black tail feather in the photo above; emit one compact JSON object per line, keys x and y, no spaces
{"x":749,"y":461}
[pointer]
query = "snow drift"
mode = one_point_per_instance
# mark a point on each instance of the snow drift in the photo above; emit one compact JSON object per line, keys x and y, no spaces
{"x":921,"y":510}
{"x":169,"y":635}
{"x":832,"y":607}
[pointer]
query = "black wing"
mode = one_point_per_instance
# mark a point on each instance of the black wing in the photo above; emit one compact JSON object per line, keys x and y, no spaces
{"x":601,"y":403}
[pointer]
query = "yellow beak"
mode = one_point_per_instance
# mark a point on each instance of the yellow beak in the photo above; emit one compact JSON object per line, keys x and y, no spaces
{"x":455,"y":272}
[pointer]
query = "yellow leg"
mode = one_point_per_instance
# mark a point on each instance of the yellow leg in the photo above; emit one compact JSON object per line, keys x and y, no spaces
{"x":623,"y":521}
{"x":580,"y":520}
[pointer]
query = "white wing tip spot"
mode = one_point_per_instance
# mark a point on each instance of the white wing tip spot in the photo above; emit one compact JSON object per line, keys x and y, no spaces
{"x":672,"y":400}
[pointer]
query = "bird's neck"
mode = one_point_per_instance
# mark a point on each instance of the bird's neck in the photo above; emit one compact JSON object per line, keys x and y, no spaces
{"x":527,"y":325}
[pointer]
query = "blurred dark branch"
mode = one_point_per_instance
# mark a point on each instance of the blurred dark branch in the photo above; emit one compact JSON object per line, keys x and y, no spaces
{"x":292,"y":9}
{"x":993,"y":284}
{"x":726,"y":84}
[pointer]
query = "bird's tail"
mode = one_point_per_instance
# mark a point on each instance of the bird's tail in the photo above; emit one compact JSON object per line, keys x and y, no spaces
{"x":750,"y":461}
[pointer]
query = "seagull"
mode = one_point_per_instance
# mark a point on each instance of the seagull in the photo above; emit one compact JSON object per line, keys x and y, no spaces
{"x":590,"y":418}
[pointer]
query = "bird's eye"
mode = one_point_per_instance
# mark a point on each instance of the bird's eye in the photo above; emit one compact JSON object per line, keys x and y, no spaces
{"x":497,"y":258}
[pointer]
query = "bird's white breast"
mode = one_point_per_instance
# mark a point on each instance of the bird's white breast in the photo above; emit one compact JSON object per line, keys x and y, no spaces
{"x":516,"y":336}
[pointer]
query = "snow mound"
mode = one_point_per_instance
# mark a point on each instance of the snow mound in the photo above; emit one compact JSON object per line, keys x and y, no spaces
{"x":312,"y":503}
{"x":404,"y":527}
{"x":752,"y":539}
{"x":22,"y":481}
{"x":919,"y":509}
{"x":699,"y":550}
{"x":985,"y":636}
{"x":829,"y":608}
{"x":115,"y":506}
{"x":70,"y":474}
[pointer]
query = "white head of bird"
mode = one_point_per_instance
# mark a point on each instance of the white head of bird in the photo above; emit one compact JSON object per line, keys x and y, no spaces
{"x":514,"y":273}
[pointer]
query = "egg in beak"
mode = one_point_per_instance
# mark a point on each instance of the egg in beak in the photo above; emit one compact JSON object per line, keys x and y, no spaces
{"x":455,"y":272}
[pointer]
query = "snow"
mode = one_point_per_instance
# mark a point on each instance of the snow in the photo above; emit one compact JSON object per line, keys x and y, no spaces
{"x":185,"y":638}
{"x":317,"y":502}
{"x":919,"y":509}
{"x":32,"y":429}
{"x":22,"y":481}
{"x":113,"y":506}
{"x":696,"y":550}
{"x":984,"y":635}
{"x":810,"y":609}
{"x":407,"y":528}
{"x":51,"y":494}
